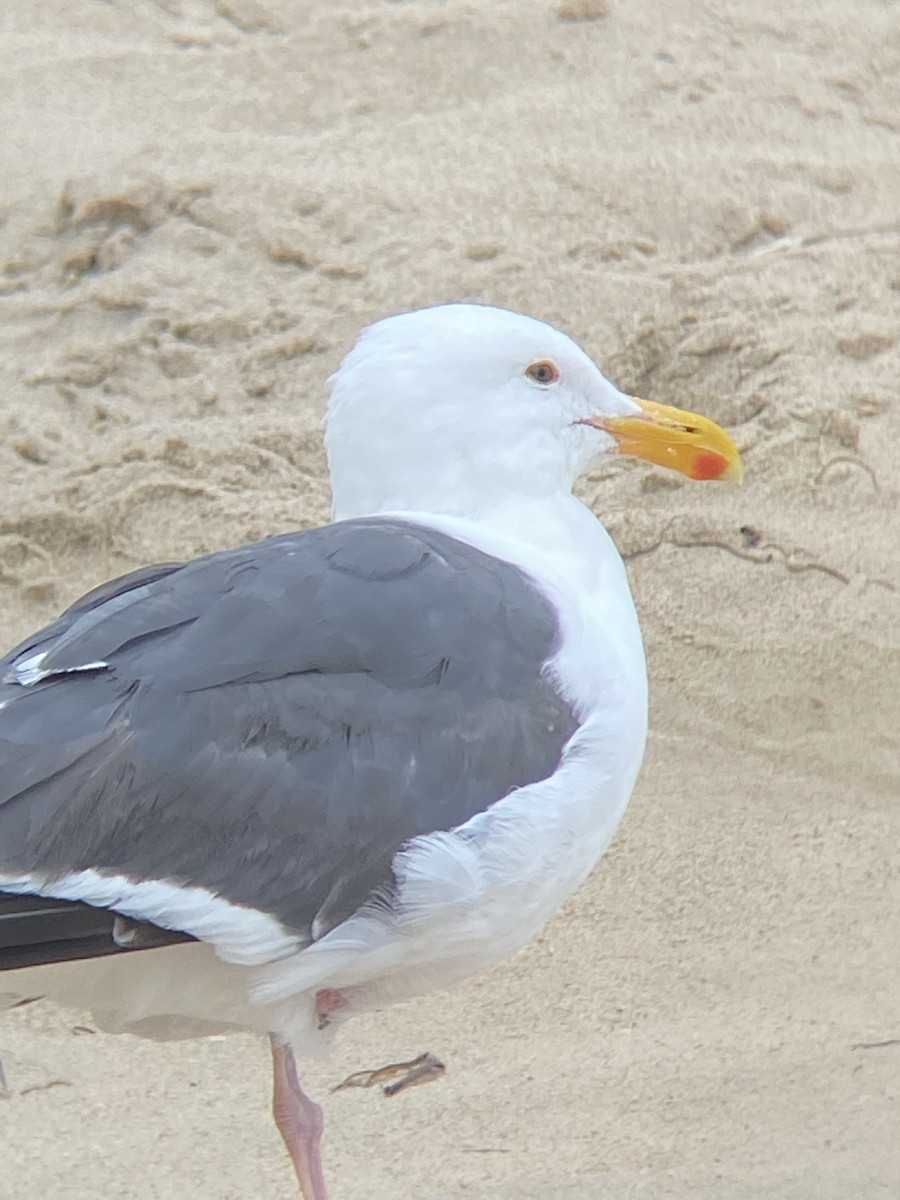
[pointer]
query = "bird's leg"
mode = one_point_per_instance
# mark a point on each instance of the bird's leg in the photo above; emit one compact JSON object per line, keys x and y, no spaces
{"x":423,"y":1069}
{"x":300,"y":1121}
{"x":329,"y":1003}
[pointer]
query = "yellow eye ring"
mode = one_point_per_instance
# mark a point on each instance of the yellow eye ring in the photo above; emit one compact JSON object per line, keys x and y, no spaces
{"x":543,"y":372}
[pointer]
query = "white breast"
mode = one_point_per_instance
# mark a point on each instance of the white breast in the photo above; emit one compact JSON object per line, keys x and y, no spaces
{"x":469,"y":897}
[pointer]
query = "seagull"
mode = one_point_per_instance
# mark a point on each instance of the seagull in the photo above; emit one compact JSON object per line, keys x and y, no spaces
{"x":279,"y":785}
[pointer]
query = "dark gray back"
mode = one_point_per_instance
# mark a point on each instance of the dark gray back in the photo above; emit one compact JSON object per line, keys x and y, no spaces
{"x":274,"y":722}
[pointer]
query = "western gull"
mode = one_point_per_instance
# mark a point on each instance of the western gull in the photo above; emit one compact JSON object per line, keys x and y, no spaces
{"x":282,"y":784}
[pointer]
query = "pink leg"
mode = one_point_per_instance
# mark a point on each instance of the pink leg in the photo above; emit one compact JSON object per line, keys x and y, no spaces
{"x":328,"y":1002}
{"x":299,"y":1120}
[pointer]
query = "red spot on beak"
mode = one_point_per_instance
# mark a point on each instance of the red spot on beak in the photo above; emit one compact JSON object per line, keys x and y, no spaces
{"x":708,"y":465}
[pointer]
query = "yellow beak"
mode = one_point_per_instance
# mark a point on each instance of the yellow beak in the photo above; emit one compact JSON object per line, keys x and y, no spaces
{"x":673,"y":437}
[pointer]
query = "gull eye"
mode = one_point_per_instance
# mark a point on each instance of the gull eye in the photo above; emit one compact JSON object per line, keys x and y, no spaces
{"x":544,"y":372}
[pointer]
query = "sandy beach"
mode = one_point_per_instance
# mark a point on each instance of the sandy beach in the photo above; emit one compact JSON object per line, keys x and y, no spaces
{"x":201,"y":203}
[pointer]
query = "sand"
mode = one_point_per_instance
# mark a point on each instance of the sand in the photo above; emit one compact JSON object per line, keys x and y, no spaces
{"x":201,"y":201}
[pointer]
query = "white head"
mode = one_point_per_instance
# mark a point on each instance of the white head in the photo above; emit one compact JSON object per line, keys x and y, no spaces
{"x":457,"y":408}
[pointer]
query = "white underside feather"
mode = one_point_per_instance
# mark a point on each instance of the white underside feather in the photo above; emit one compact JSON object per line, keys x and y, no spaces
{"x":465,"y":898}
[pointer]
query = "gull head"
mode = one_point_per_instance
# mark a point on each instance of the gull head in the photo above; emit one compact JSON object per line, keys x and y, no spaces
{"x":460,"y":408}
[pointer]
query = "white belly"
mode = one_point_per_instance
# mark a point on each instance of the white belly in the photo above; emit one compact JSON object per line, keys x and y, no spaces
{"x":470,"y":897}
{"x":466,"y":898}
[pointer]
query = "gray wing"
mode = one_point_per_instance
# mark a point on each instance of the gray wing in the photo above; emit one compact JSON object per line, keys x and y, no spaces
{"x":273,"y":723}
